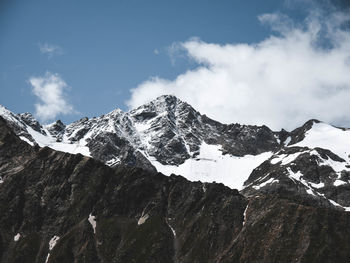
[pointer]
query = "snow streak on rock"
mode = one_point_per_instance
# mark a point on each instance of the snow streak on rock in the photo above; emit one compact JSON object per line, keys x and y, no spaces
{"x":16,"y":237}
{"x":52,"y":244}
{"x":92,"y":222}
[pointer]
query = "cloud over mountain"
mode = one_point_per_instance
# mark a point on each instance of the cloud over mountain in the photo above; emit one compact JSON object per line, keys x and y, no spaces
{"x":300,"y":72}
{"x":50,"y":91}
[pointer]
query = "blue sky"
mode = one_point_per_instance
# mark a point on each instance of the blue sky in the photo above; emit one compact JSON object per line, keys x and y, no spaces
{"x":103,"y":49}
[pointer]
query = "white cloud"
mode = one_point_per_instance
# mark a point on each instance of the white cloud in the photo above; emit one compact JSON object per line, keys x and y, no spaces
{"x":301,"y":72}
{"x":50,"y":91}
{"x":50,"y":49}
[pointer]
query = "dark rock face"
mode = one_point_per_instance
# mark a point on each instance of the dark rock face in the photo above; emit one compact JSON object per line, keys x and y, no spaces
{"x":58,"y":207}
{"x":113,"y":150}
{"x":181,"y":130}
{"x":279,"y":230}
{"x":57,"y":130}
{"x":140,"y":216}
{"x":29,"y":120}
{"x":307,"y":177}
{"x":20,"y":123}
{"x":298,"y":134}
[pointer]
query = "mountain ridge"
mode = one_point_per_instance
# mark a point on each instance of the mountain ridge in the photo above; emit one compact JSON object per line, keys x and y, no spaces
{"x":170,"y":136}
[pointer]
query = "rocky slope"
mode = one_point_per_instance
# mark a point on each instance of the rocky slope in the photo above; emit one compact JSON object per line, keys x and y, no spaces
{"x":59,"y":207}
{"x":308,"y":173}
{"x":311,"y":162}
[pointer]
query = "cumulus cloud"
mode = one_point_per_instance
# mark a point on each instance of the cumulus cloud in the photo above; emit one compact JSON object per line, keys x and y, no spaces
{"x":50,"y":50}
{"x":301,"y":71}
{"x":50,"y":91}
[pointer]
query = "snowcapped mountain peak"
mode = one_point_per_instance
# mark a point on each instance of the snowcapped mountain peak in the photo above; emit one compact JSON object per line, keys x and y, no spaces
{"x":2,"y":108}
{"x":326,"y":136}
{"x":114,"y":113}
{"x":168,"y":100}
{"x":20,"y":123}
{"x":56,"y":129}
{"x":8,"y":115}
{"x":163,"y":105}
{"x":298,"y":134}
{"x":30,"y":120}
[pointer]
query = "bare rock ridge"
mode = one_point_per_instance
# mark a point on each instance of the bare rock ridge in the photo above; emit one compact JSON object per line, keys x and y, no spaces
{"x":61,"y":207}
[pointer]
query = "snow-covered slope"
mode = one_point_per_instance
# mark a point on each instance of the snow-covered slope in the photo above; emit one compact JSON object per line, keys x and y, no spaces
{"x":64,"y":145}
{"x":325,"y":136}
{"x":212,"y":166}
{"x":30,"y":131}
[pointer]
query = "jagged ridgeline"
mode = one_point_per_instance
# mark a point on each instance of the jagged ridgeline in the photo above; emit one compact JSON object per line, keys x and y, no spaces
{"x":57,"y":204}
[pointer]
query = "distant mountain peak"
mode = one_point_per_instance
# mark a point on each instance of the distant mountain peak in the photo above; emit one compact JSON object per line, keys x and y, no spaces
{"x":162,"y":103}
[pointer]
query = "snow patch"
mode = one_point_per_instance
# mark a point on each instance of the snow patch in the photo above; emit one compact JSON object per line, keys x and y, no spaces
{"x":26,"y":140}
{"x":310,"y":192}
{"x":277,"y":139}
{"x":52,"y":244}
{"x":335,"y":165}
{"x":317,"y":186}
{"x":172,"y":229}
{"x":270,"y":181}
{"x":212,"y":166}
{"x":142,"y":219}
{"x":92,"y":221}
{"x":245,"y":214}
{"x":296,"y":177}
{"x":285,"y":158}
{"x":339,"y":182}
{"x":64,"y":146}
{"x":347,"y":209}
{"x":113,"y":161}
{"x":16,"y":237}
{"x":1,"y":180}
{"x":141,"y":127}
{"x":287,"y":141}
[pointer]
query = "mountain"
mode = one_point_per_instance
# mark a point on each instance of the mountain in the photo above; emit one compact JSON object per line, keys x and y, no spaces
{"x":166,"y":134}
{"x":61,"y":207}
{"x":310,"y":163}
